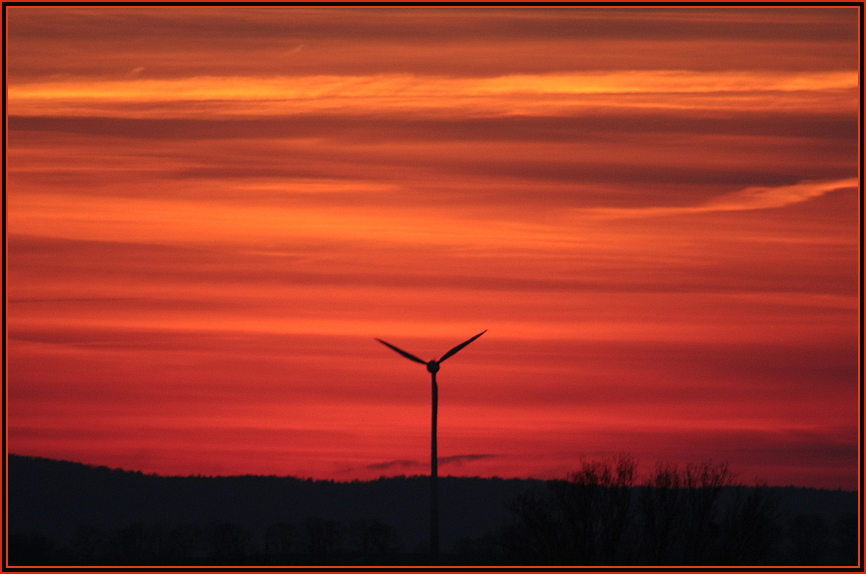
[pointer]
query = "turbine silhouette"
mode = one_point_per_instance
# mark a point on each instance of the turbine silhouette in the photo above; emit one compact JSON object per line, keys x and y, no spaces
{"x":433,"y":368}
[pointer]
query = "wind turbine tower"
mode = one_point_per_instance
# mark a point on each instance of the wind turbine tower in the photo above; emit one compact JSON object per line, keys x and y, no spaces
{"x":433,"y":368}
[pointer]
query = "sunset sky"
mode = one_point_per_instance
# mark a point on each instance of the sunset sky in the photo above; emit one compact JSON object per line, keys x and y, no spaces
{"x":213,"y":211}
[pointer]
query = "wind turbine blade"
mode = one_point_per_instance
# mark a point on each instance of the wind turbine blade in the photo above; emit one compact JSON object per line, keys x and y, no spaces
{"x":409,"y":356}
{"x":460,"y":346}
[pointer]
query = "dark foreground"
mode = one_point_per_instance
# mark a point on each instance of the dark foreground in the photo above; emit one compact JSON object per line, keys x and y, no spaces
{"x":62,"y":513}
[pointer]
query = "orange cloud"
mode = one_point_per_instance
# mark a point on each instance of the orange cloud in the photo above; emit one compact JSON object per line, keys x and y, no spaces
{"x":407,"y":93}
{"x":751,"y":198}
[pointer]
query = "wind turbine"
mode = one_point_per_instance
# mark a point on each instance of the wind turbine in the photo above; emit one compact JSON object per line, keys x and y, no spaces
{"x":433,"y":368}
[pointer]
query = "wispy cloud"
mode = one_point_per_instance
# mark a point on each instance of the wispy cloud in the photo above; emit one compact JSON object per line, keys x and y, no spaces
{"x":771,"y":197}
{"x":391,"y":464}
{"x":748,"y":199}
{"x":455,"y":460}
{"x":458,"y":460}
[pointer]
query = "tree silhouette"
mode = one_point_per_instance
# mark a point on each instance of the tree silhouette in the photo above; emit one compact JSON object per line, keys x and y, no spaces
{"x":677,"y":517}
{"x":750,"y":529}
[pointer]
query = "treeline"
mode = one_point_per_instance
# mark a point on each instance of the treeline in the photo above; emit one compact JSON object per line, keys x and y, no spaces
{"x":603,"y":514}
{"x":688,"y":516}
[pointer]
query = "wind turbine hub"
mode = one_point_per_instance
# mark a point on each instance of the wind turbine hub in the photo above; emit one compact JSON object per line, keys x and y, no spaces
{"x":433,"y":366}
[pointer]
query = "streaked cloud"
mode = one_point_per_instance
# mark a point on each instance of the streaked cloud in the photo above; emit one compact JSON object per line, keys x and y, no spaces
{"x":541,"y":94}
{"x":769,"y":198}
{"x":459,"y":459}
{"x":396,"y":464}
{"x":748,"y":199}
{"x":414,"y":465}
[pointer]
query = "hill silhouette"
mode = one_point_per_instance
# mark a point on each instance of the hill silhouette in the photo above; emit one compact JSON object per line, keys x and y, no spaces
{"x":56,"y":498}
{"x":69,"y":513}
